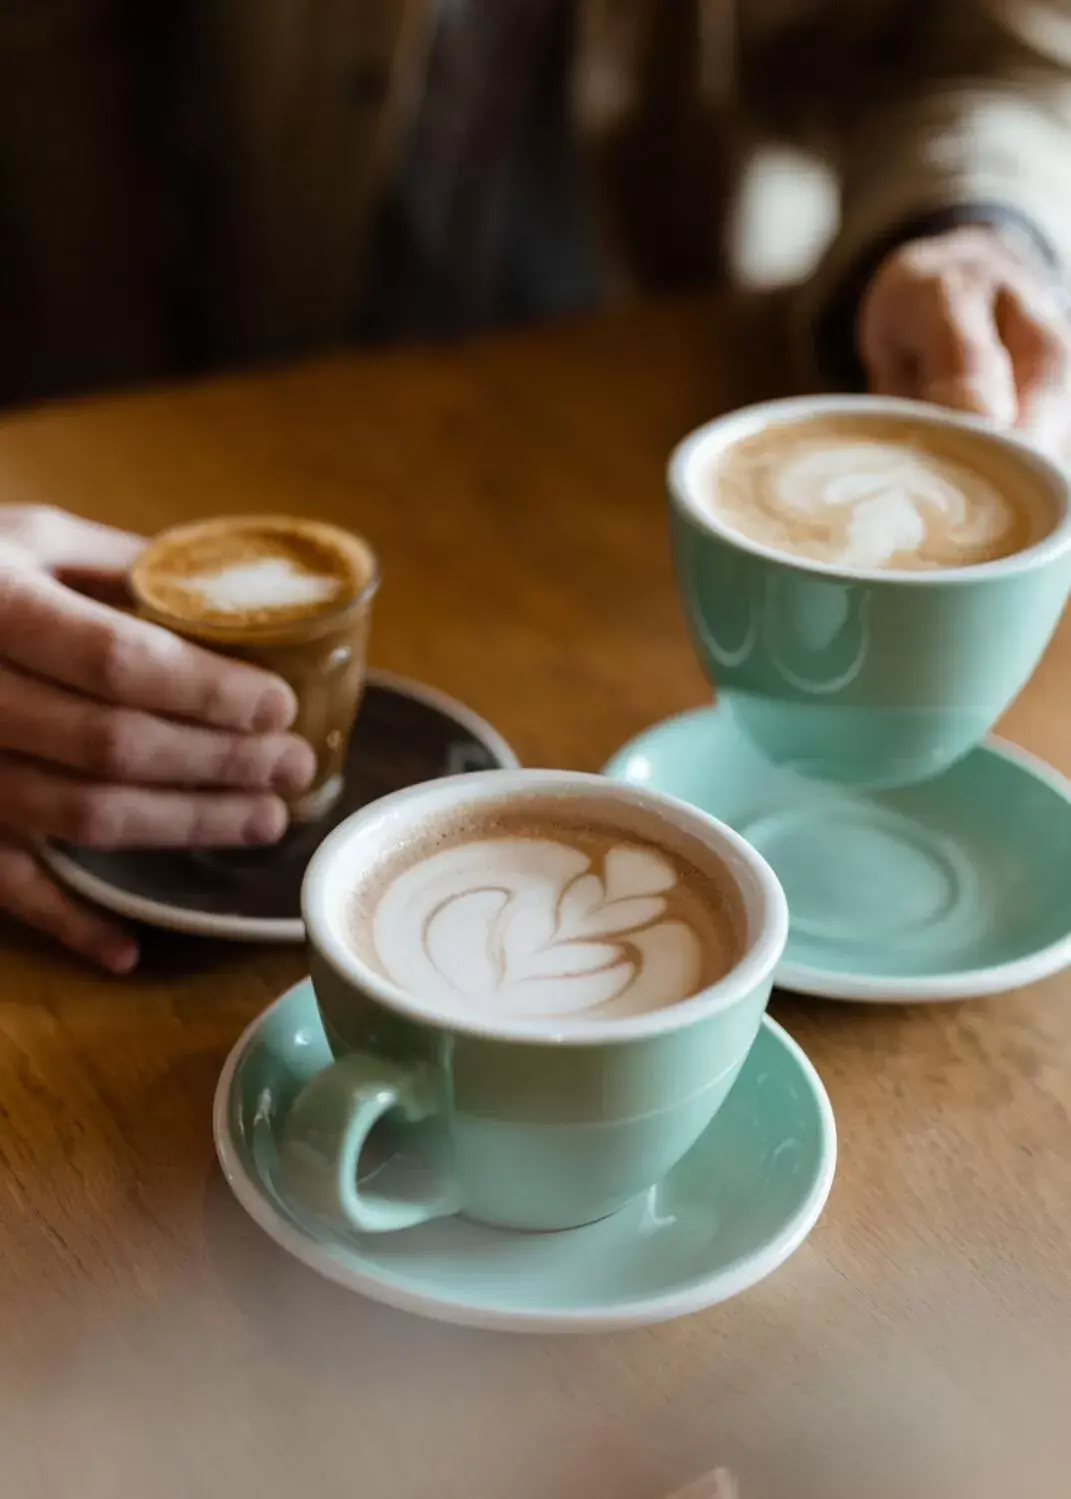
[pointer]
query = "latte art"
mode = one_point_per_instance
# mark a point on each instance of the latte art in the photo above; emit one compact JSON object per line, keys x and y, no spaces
{"x":883,"y":501}
{"x":517,"y":926}
{"x":873,"y":493}
{"x":236,"y":575}
{"x":267,"y":583}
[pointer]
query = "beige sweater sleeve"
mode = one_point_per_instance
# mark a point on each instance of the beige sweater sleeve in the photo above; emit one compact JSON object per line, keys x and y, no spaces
{"x":997,"y":138}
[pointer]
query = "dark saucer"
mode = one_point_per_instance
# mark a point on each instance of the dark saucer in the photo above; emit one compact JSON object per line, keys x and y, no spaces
{"x":405,"y":733}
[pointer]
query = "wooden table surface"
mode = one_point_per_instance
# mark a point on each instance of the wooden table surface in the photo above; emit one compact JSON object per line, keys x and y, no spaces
{"x":156,"y":1346}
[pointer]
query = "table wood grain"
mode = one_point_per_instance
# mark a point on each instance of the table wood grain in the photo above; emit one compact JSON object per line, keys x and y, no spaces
{"x":155,"y":1345}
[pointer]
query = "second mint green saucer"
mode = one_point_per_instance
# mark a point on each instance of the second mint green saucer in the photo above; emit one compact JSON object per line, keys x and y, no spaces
{"x":948,"y":890}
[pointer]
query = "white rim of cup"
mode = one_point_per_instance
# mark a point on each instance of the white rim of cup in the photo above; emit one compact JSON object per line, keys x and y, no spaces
{"x":765,"y":905}
{"x":713,"y":437}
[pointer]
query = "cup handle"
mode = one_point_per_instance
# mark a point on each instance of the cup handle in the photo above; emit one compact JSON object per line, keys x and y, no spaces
{"x":326,"y":1131}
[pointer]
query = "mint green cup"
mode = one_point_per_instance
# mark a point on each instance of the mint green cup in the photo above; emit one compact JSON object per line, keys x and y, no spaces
{"x":524,"y":1123}
{"x":876,"y":679}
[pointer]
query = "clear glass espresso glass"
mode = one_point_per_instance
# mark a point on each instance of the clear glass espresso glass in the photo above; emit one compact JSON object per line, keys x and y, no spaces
{"x":317,"y":647}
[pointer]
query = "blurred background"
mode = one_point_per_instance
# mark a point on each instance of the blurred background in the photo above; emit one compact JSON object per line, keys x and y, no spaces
{"x":195,"y":184}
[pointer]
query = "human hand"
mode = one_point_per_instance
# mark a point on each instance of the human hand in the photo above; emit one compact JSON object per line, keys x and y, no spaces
{"x":114,"y":732}
{"x":963,"y":321}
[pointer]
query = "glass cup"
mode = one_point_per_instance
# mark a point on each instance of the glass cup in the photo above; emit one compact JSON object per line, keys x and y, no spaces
{"x":321,"y":656}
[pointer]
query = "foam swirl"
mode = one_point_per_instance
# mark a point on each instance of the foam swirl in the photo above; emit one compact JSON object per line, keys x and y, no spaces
{"x":528,"y":927}
{"x":866,"y":502}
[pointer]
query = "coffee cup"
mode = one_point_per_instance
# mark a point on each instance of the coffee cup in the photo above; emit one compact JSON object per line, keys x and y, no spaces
{"x":293,"y":596}
{"x":868,"y":582}
{"x":539,"y":988}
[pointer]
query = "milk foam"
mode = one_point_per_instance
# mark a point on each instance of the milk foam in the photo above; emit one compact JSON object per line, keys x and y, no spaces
{"x":875,"y":492}
{"x":530,"y":927}
{"x":266,"y":583}
{"x":894,"y":501}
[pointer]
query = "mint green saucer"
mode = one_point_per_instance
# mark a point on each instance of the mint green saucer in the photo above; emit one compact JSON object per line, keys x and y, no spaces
{"x":948,"y":890}
{"x":743,"y":1199}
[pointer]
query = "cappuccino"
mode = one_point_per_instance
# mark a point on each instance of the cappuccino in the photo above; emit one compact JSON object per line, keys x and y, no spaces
{"x":880,"y":492}
{"x":522,"y":912}
{"x":290,"y":595}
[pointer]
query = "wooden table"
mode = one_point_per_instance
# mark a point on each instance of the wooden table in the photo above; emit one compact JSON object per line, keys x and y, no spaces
{"x":156,"y":1346}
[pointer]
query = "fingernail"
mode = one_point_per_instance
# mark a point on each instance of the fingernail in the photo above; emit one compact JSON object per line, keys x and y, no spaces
{"x":294,"y":768}
{"x":266,"y":823}
{"x":121,"y":956}
{"x":275,"y":709}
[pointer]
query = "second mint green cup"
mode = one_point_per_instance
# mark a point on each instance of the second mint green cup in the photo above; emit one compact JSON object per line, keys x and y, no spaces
{"x":876,"y":679}
{"x":524,"y":1123}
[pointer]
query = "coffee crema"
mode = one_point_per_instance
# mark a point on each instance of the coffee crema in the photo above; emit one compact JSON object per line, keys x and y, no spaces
{"x":522,"y":914}
{"x":242,"y":575}
{"x":877,"y":492}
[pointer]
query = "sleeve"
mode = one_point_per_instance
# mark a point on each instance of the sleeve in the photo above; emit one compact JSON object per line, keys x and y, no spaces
{"x":992,"y":147}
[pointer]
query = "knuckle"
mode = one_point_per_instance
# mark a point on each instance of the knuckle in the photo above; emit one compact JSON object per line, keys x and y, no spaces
{"x":110,"y":746}
{"x":948,"y":291}
{"x":14,"y":590}
{"x":915,"y":259}
{"x":30,"y":525}
{"x":215,"y":697}
{"x":40,"y":522}
{"x":93,"y":817}
{"x":240,"y":762}
{"x":112,"y":659}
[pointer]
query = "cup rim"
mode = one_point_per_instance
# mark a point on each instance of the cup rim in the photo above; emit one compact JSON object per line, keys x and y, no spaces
{"x":267,"y":634}
{"x":764,"y":903}
{"x":724,"y":429}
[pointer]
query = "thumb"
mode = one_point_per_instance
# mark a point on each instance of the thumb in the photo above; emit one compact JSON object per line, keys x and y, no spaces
{"x":93,"y":558}
{"x":74,"y":545}
{"x":964,"y":364}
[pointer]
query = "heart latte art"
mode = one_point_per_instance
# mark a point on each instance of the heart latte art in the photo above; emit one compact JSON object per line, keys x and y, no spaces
{"x":873,"y":493}
{"x":526,"y":926}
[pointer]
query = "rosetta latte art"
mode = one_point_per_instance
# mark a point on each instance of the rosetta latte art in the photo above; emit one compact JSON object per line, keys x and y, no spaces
{"x":529,"y":927}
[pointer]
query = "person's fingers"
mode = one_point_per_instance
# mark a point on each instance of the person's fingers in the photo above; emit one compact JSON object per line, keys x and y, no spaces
{"x":58,"y":634}
{"x":60,"y":542}
{"x":49,"y":723}
{"x":51,"y":804}
{"x":889,"y":359}
{"x":962,"y":361}
{"x":892,"y":371}
{"x":1038,"y":339}
{"x":927,"y":326}
{"x":1044,"y":418}
{"x":30,"y":895}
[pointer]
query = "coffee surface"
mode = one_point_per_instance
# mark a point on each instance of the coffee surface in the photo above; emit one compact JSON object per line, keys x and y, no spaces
{"x":874,"y":492}
{"x":513,"y":914}
{"x":248,"y":574}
